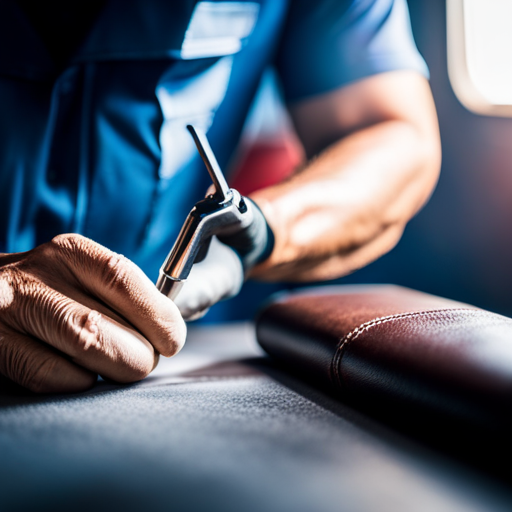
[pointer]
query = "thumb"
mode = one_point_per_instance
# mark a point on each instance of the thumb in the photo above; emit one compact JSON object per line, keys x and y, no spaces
{"x":219,"y":276}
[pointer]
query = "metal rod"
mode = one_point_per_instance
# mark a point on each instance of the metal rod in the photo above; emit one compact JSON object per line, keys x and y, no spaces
{"x":206,"y":152}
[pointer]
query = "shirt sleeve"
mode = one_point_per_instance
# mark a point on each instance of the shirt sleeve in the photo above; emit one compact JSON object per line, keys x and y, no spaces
{"x":327,"y":44}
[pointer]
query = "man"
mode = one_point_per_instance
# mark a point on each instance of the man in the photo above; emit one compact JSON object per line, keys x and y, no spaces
{"x":95,"y":99}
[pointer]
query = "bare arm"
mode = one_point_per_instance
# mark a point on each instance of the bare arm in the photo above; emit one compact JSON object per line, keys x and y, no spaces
{"x":374,"y":158}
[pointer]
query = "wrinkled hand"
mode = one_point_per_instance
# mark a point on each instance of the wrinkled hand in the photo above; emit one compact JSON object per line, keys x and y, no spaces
{"x":230,"y":258}
{"x":71,"y":309}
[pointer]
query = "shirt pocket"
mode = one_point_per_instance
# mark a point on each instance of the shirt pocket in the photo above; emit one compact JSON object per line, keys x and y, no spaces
{"x":195,"y":85}
{"x":218,"y":28}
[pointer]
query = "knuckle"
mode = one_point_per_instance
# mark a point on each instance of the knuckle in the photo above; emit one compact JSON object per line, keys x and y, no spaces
{"x":72,"y":247}
{"x":123,"y":362}
{"x":68,"y":241}
{"x":88,"y":337}
{"x":63,"y":250}
{"x":66,"y":244}
{"x":116,"y":269}
{"x":87,"y":255}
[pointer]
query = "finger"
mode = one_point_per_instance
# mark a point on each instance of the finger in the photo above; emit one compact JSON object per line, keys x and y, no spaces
{"x":123,"y":287}
{"x":40,"y":368}
{"x":82,"y":297}
{"x":92,"y":340}
{"x":93,"y":305}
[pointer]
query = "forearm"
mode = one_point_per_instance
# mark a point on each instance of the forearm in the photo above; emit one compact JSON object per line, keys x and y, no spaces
{"x":350,"y":204}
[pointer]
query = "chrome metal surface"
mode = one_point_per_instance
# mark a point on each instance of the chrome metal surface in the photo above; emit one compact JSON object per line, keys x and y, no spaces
{"x":169,"y":286}
{"x":203,"y":146}
{"x":223,"y":212}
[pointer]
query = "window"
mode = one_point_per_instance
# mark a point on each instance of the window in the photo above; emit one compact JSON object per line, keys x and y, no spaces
{"x":480,"y":54}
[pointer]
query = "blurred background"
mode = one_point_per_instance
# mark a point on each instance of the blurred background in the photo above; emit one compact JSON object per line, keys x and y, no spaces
{"x":459,"y":245}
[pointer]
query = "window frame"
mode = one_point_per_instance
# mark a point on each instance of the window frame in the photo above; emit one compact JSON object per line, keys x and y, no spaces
{"x":458,"y":68}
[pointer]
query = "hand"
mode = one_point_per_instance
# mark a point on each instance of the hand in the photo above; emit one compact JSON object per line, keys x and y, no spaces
{"x":229,"y":260}
{"x":71,"y":309}
{"x":219,"y":276}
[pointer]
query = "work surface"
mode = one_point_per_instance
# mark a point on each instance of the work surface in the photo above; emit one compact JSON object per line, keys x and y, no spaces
{"x":218,"y":427}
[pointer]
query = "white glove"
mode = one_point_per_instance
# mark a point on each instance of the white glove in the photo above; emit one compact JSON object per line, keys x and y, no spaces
{"x":219,"y":276}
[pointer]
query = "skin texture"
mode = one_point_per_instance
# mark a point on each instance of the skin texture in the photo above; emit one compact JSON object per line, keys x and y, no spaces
{"x":63,"y":312}
{"x":374,"y":159}
{"x":71,"y":309}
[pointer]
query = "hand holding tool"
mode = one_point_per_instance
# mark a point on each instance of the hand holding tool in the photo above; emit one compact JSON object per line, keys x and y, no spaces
{"x":224,"y":212}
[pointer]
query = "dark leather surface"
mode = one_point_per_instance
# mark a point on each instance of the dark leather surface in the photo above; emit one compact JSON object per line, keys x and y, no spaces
{"x":218,"y":428}
{"x":390,"y":346}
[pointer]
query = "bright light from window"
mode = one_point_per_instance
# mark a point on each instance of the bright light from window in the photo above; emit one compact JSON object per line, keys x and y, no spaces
{"x":480,"y":54}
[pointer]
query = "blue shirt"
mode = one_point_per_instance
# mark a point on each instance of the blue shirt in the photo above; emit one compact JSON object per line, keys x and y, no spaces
{"x":100,"y":147}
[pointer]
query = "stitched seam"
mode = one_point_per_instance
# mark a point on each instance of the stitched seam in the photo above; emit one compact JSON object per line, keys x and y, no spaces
{"x":352,"y":335}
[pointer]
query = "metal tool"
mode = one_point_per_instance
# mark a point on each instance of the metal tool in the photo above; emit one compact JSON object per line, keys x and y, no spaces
{"x":221,"y":212}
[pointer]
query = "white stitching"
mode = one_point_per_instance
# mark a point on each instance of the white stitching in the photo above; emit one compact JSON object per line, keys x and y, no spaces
{"x":352,"y":335}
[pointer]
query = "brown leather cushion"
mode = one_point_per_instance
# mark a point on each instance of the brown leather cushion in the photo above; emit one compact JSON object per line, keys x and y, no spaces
{"x":392,"y":346}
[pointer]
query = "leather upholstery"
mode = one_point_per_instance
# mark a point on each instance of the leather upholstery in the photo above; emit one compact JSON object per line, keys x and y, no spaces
{"x":392,"y":347}
{"x":220,"y":428}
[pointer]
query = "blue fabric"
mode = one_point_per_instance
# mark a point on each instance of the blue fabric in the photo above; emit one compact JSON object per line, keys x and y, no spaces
{"x":330,"y":43}
{"x":100,"y":148}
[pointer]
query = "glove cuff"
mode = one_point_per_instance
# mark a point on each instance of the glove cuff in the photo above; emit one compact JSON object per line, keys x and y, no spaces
{"x":255,"y":243}
{"x":266,"y":243}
